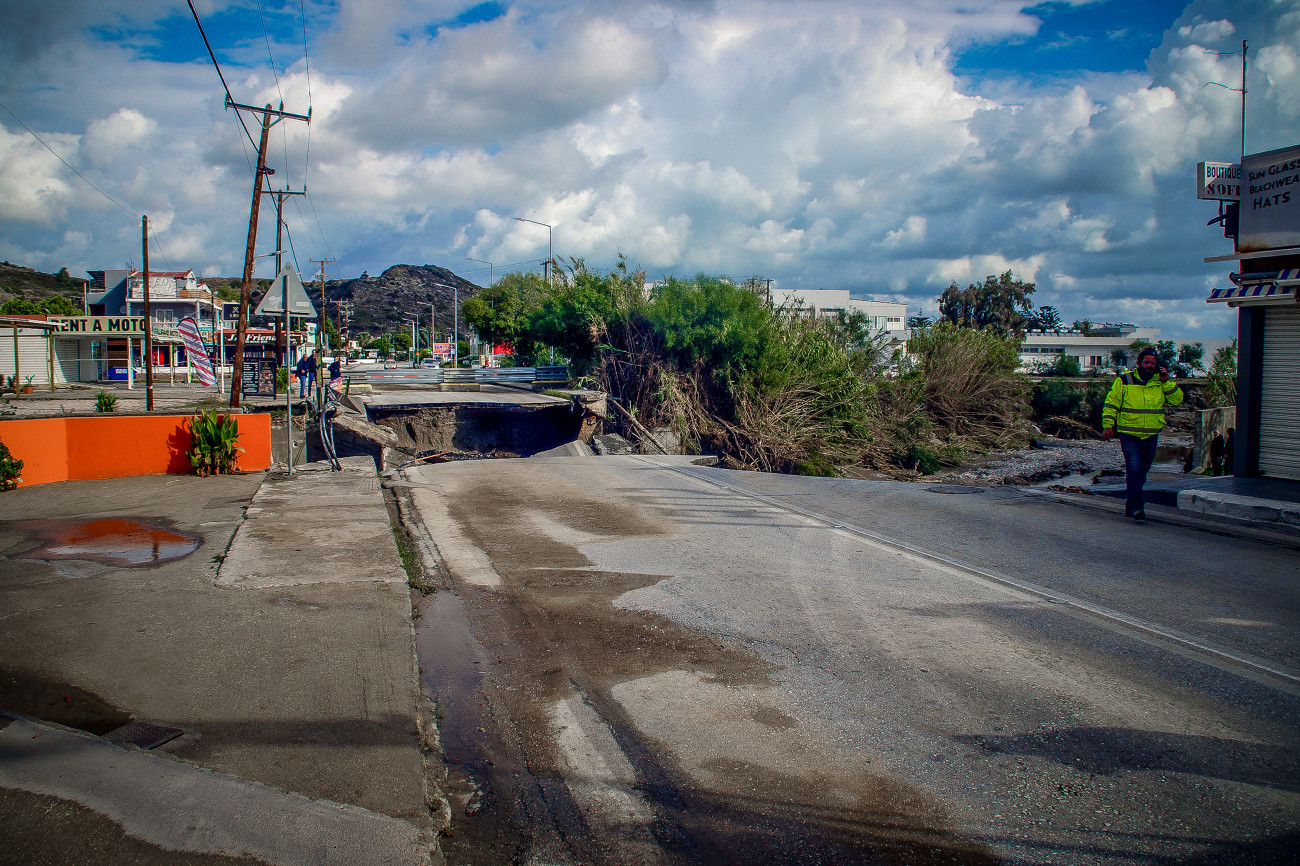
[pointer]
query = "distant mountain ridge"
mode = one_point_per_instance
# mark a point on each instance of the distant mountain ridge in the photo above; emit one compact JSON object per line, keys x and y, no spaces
{"x":380,"y":304}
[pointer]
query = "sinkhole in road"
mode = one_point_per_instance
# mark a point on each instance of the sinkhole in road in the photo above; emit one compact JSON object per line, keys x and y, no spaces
{"x":114,"y":541}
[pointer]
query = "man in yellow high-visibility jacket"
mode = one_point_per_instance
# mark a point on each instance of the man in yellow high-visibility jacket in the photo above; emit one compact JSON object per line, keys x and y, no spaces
{"x":1135,"y":410}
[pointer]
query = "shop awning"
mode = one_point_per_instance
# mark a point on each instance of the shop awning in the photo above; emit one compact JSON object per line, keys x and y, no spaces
{"x":1282,"y":287}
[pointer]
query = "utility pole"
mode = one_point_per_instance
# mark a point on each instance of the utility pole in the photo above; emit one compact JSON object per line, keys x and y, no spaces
{"x":279,"y":196}
{"x":320,"y":335}
{"x":148,"y":321}
{"x":246,"y":289}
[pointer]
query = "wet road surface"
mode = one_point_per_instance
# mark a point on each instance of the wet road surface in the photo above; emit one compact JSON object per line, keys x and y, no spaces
{"x":637,"y":663}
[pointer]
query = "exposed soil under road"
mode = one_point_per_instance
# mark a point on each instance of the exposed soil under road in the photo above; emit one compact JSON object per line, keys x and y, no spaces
{"x":550,"y":630}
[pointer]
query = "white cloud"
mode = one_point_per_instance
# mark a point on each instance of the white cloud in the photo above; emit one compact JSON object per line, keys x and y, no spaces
{"x":823,"y":144}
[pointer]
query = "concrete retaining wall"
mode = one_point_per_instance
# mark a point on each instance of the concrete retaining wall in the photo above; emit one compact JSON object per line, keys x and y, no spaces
{"x":80,"y":449}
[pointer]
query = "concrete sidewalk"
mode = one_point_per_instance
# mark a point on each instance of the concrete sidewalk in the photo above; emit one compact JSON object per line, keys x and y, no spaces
{"x":1257,"y":500}
{"x":282,"y":649}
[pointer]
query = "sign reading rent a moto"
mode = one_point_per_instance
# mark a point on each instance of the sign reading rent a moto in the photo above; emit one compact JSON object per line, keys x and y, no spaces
{"x":123,"y":326}
{"x":1270,"y":200}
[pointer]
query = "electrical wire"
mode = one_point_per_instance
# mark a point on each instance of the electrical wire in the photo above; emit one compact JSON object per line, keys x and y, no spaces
{"x":65,"y":162}
{"x":217,"y":66}
{"x":267,"y":37}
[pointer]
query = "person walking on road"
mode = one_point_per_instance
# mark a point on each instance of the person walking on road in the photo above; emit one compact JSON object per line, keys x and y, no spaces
{"x":1135,"y":411}
{"x":306,"y":371}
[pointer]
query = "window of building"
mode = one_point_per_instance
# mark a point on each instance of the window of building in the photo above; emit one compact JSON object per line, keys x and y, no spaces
{"x":1097,"y":361}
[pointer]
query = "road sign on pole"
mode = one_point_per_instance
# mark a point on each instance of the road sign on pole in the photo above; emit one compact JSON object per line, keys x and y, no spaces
{"x":287,"y":284}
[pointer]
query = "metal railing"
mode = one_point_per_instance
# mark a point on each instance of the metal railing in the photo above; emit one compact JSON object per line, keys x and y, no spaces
{"x":458,"y":376}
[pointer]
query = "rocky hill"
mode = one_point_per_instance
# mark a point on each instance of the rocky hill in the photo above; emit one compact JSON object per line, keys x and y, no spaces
{"x":19,"y":282}
{"x":403,"y":291}
{"x":379,"y":304}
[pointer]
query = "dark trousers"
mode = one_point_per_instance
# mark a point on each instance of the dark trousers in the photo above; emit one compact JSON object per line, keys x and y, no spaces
{"x":1139,"y":453}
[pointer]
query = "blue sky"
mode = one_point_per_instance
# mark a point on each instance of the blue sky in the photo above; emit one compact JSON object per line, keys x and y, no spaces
{"x":881,"y":147}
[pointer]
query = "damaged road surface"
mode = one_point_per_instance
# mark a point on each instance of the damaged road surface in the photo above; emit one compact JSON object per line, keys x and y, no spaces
{"x":637,"y":660}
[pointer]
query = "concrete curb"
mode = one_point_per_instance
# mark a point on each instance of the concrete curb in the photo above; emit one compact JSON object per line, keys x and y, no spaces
{"x":1240,"y":507}
{"x":183,"y":807}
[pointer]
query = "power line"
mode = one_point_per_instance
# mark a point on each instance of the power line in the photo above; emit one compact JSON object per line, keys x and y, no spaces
{"x":65,"y":162}
{"x":266,"y":36}
{"x":217,"y":65}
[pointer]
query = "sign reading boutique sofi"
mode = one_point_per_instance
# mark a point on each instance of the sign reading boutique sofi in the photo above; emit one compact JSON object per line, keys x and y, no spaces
{"x":1270,"y":200}
{"x":125,"y":326}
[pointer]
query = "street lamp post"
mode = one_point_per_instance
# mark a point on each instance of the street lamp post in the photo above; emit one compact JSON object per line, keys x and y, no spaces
{"x":491,"y":270}
{"x":548,"y":244}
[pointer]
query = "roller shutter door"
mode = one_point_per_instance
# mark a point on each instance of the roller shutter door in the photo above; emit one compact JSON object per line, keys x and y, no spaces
{"x":33,"y":356}
{"x":1279,"y":427}
{"x":67,"y":367}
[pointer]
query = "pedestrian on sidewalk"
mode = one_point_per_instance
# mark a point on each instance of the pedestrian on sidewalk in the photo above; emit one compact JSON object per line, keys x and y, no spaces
{"x":336,"y":374}
{"x":1135,"y":411}
{"x":1218,"y":446}
{"x":306,"y":371}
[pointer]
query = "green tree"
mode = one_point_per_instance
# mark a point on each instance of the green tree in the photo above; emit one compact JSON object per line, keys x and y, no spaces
{"x":19,"y":307}
{"x":1083,"y":326}
{"x":401,"y":341}
{"x":332,"y":338}
{"x":498,"y":313}
{"x":1001,"y":303}
{"x":1221,"y":380}
{"x":919,"y":322}
{"x":1048,"y":319}
{"x":1191,"y":357}
{"x":59,"y":305}
{"x":381,"y":345}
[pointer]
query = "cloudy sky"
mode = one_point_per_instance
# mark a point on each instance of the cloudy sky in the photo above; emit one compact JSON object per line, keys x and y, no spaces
{"x":883,"y":147}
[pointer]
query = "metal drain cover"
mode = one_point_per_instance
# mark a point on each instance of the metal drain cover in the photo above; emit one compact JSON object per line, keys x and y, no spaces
{"x":955,"y":488}
{"x":142,"y":735}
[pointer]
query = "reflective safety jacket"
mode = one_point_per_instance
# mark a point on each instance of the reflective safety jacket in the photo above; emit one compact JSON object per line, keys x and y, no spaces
{"x":1138,"y":409}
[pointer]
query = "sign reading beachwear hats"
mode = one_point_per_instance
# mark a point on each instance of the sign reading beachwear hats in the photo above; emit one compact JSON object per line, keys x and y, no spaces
{"x":194,"y":350}
{"x":1270,"y":200}
{"x":1218,"y":180}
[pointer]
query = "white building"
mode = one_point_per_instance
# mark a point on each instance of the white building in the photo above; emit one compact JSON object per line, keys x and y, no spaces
{"x":886,"y":317}
{"x":1095,"y":351}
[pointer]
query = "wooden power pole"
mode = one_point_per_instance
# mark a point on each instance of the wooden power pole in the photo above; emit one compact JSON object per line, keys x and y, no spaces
{"x":270,"y":117}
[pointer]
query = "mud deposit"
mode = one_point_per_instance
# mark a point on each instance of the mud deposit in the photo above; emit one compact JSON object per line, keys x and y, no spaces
{"x":499,"y":661}
{"x":111,"y":541}
{"x":521,"y":430}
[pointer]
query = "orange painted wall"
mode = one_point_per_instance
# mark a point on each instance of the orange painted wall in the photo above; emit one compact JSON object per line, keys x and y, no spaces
{"x":79,"y":449}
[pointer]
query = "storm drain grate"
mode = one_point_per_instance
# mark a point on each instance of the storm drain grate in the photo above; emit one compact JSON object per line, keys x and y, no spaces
{"x":142,"y":735}
{"x":955,"y":488}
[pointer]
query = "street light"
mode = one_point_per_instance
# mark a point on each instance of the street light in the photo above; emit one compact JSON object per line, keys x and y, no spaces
{"x":548,"y":244}
{"x":482,"y":262}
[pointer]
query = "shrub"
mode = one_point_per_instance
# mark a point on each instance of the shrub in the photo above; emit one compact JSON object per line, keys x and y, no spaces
{"x":970,"y":383}
{"x":105,"y":401}
{"x":214,"y":449}
{"x":11,"y":469}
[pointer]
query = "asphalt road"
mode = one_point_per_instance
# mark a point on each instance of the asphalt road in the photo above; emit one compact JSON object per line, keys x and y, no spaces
{"x":654,"y":663}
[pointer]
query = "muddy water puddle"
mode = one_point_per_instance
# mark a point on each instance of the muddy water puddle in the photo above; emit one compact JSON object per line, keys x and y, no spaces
{"x":112,"y":541}
{"x":484,"y":828}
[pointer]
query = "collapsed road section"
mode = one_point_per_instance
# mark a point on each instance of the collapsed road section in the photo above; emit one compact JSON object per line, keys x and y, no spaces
{"x":404,"y":424}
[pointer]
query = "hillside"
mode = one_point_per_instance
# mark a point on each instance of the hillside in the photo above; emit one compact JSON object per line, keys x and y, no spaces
{"x":30,"y":285}
{"x":380,"y":304}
